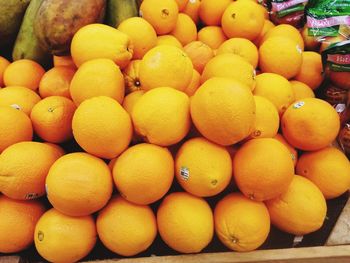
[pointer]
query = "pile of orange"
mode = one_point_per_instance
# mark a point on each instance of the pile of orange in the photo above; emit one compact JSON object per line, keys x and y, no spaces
{"x":153,"y":101}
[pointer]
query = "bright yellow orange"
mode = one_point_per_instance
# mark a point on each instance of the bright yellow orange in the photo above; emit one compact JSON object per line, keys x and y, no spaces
{"x":291,"y":149}
{"x":4,"y":63}
{"x":301,"y":124}
{"x":241,"y":47}
{"x":241,"y":224}
{"x":142,"y":35}
{"x":15,"y":127}
{"x":113,"y":133}
{"x":276,"y":89}
{"x":267,"y":120}
{"x":211,"y":11}
{"x":203,"y":168}
{"x":311,"y":71}
{"x":97,"y":77}
{"x":280,"y":55}
{"x":300,"y":210}
{"x":256,"y":175}
{"x":56,"y":82}
{"x":243,"y":19}
{"x":17,"y":223}
{"x":52,"y":119}
{"x":185,"y":29}
{"x":192,"y":10}
{"x":126,"y":228}
{"x":301,"y":90}
{"x":288,"y":31}
{"x":168,"y":40}
{"x":158,"y":111}
{"x":328,"y":169}
{"x":79,"y":184}
{"x":194,"y":85}
{"x":63,"y":61}
{"x":23,"y":72}
{"x":134,"y":169}
{"x":132,"y":76}
{"x":162,"y":66}
{"x":101,"y":41}
{"x":194,"y":231}
{"x":162,"y":15}
{"x":25,"y":166}
{"x":212,"y":107}
{"x":268,"y":25}
{"x":213,"y":36}
{"x":79,"y":235}
{"x":199,"y":53}
{"x":20,"y":98}
{"x":222,"y":65}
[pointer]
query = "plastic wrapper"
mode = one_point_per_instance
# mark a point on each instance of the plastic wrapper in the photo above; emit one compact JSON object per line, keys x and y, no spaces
{"x":288,"y":12}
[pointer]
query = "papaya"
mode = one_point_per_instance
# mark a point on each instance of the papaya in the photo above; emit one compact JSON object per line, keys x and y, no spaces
{"x":27,"y":44}
{"x":57,"y":21}
{"x":11,"y":14}
{"x":119,"y":10}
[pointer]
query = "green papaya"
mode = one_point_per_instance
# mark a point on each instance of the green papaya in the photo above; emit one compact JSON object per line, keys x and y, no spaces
{"x":119,"y":10}
{"x":58,"y":20}
{"x":27,"y":44}
{"x":11,"y":14}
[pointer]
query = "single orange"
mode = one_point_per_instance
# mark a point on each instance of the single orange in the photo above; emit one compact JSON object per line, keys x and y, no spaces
{"x":63,"y":61}
{"x":169,"y":40}
{"x":199,"y":53}
{"x":211,"y":11}
{"x":213,"y":36}
{"x":192,"y":9}
{"x":185,"y":29}
{"x":4,"y":63}
{"x":301,"y":90}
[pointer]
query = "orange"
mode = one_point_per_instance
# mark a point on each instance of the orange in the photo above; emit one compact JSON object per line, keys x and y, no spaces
{"x":24,"y":167}
{"x":276,"y":89}
{"x":213,"y":36}
{"x":169,"y":40}
{"x":17,"y":223}
{"x":241,"y":224}
{"x":223,"y":65}
{"x":141,"y":33}
{"x":280,"y":55}
{"x":162,"y":66}
{"x":185,"y":29}
{"x":199,"y":53}
{"x":161,"y":14}
{"x":211,"y":11}
{"x":194,"y":231}
{"x":79,"y":235}
{"x":243,"y":19}
{"x":301,"y":90}
{"x":126,"y":228}
{"x":311,"y":71}
{"x":203,"y":168}
{"x":256,"y":175}
{"x":132,"y":76}
{"x":223,"y":110}
{"x":134,"y":171}
{"x":268,"y":25}
{"x":97,"y":77}
{"x":23,"y":72}
{"x":291,"y":149}
{"x":102,"y":127}
{"x":20,"y":98}
{"x":15,"y":127}
{"x":267,"y":120}
{"x":310,"y":124}
{"x":63,"y":61}
{"x":340,"y":79}
{"x":101,"y":41}
{"x":4,"y":63}
{"x":300,"y":210}
{"x":52,"y":119}
{"x":56,"y":81}
{"x":241,"y":47}
{"x":192,"y":9}
{"x":194,"y":85}
{"x":285,"y":30}
{"x":311,"y":43}
{"x":79,"y":184}
{"x":158,"y":112}
{"x":131,"y":99}
{"x":181,"y":4}
{"x":328,"y":169}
